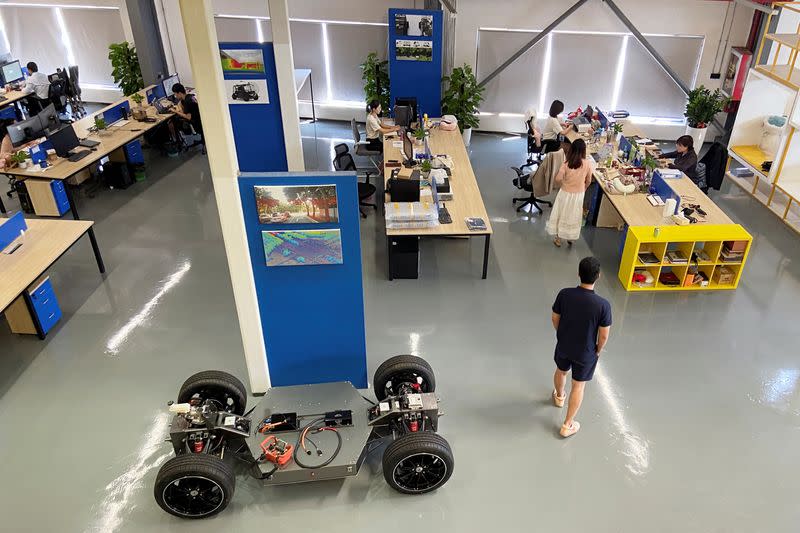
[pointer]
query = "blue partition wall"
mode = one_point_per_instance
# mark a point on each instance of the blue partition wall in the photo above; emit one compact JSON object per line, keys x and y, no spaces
{"x":258,"y":128}
{"x":312,"y":316}
{"x":420,"y":79}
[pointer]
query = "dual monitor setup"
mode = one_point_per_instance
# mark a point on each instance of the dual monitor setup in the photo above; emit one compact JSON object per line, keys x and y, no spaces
{"x":62,"y":138}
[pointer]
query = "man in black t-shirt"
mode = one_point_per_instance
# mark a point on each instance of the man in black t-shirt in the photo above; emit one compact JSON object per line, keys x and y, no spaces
{"x":188,"y":109}
{"x":582,"y":321}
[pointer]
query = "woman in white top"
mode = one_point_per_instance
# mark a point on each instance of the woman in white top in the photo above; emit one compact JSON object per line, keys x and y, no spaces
{"x":552,"y":126}
{"x":376,"y":128}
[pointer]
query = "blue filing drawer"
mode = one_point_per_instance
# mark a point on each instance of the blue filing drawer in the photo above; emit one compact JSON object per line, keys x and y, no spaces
{"x":133,"y":153}
{"x":60,"y":196}
{"x":8,"y":112}
{"x":45,"y":305}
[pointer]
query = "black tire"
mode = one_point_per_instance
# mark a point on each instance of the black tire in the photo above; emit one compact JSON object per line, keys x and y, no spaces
{"x":399,"y":370}
{"x":417,"y":463}
{"x":217,"y":385}
{"x":194,"y":486}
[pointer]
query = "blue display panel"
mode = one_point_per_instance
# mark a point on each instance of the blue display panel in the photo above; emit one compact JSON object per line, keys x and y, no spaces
{"x":413,"y":72}
{"x":257,"y":122}
{"x":311,"y":298}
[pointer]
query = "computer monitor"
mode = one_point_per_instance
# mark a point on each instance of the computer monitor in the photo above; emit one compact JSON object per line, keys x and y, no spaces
{"x":48,"y":118}
{"x":24,"y":131}
{"x":12,"y":72}
{"x":168,"y":83}
{"x":402,"y":116}
{"x":64,"y":141}
{"x":408,"y":101}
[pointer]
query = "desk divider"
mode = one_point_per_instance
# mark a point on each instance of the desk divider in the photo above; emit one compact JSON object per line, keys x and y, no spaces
{"x":11,"y":228}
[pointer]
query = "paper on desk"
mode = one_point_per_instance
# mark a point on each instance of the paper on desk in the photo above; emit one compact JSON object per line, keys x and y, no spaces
{"x":397,"y":144}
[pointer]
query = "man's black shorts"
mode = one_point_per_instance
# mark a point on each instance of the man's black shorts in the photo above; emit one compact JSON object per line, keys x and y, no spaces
{"x":581,"y":370}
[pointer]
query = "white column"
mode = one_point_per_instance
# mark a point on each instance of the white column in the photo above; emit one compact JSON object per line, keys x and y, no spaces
{"x":201,"y":40}
{"x":126,"y":21}
{"x":284,"y":66}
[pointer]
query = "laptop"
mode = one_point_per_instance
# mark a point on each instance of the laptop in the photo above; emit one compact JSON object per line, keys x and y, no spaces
{"x":163,"y":106}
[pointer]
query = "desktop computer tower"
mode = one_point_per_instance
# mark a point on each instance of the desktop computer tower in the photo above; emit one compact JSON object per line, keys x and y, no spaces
{"x":117,"y":175}
{"x":404,"y":257}
{"x":24,"y":198}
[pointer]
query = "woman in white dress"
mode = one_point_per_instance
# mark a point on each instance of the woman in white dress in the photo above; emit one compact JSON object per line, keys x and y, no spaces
{"x":574,"y":177}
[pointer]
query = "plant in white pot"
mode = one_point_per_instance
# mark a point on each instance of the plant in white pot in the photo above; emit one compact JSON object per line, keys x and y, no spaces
{"x":461,"y":99}
{"x":701,"y":107}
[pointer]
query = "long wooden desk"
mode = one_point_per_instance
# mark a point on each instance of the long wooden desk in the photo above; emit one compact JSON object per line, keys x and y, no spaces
{"x":44,"y":243}
{"x":12,"y":97}
{"x":467,"y":200}
{"x":114,"y":138}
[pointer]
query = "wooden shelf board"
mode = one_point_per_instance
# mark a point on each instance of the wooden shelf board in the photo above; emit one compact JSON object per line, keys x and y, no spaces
{"x":783,"y":74}
{"x":792,"y":40}
{"x":791,"y":188}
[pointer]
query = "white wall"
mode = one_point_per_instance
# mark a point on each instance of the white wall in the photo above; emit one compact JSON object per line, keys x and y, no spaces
{"x":692,"y":17}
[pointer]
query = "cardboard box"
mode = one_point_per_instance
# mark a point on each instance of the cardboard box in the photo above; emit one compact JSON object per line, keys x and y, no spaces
{"x":736,"y":246}
{"x":724,"y":276}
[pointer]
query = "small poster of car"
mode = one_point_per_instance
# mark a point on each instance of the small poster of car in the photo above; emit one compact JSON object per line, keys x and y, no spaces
{"x":247,"y":91}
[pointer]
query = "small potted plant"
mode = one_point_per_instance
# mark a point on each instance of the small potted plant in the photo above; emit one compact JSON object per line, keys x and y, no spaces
{"x":425,"y":168}
{"x":99,"y":123}
{"x":20,"y":158}
{"x":701,"y":107}
{"x":419,"y":135}
{"x":138,"y":112}
{"x":650,"y":164}
{"x":462,"y":98}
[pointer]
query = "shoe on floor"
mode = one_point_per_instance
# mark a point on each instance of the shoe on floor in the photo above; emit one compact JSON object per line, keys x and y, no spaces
{"x":559,"y":400}
{"x":571,"y":430}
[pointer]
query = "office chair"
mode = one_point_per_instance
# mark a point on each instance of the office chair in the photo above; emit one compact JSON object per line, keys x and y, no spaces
{"x":57,"y":93}
{"x":344,"y":162}
{"x":523,"y":182}
{"x":73,"y":91}
{"x":361,"y":149}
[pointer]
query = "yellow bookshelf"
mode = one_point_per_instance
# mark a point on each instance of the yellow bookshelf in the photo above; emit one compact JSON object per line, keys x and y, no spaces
{"x":686,"y":239}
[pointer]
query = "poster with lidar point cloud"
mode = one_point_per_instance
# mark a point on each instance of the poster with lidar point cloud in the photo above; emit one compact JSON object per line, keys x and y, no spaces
{"x":249,"y":61}
{"x":302,"y":247}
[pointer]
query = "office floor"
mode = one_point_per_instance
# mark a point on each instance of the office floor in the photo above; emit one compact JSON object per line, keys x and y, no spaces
{"x":692,"y":423}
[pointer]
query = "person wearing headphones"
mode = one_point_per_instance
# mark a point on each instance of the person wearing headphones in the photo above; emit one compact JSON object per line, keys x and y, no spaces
{"x":376,"y":127}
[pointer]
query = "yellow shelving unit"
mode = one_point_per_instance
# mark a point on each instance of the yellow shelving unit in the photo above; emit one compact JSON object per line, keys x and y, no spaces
{"x":783,"y":66}
{"x":687,"y":239}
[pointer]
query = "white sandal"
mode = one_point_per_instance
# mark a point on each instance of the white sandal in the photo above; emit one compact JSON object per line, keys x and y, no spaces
{"x":571,"y":430}
{"x":558,"y":400}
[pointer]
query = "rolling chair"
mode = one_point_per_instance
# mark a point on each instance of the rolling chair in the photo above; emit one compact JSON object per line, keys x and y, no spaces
{"x":343,"y":161}
{"x":361,"y":149}
{"x":524,"y":180}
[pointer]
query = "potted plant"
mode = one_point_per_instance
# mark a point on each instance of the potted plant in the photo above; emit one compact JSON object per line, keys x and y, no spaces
{"x":650,"y":164}
{"x":419,"y":135}
{"x":20,"y":158}
{"x":125,"y":67}
{"x":425,"y":168}
{"x":375,"y":73}
{"x":461,"y":99}
{"x":99,"y":123}
{"x":138,"y":112}
{"x":701,"y":107}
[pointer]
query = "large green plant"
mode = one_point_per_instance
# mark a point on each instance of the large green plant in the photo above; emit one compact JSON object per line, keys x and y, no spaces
{"x":462,"y":97}
{"x":375,"y":74}
{"x":703,"y":105}
{"x":126,"y":71}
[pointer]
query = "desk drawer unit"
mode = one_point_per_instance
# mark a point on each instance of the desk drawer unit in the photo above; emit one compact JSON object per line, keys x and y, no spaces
{"x":49,"y":198}
{"x":43,"y":308}
{"x":130,"y":153}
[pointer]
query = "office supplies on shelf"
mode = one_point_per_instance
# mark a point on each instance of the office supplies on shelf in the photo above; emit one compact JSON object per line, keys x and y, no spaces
{"x":669,"y":279}
{"x":648,"y":258}
{"x":676,"y":257}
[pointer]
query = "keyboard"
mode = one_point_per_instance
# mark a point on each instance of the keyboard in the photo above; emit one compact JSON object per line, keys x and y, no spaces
{"x":77,"y":156}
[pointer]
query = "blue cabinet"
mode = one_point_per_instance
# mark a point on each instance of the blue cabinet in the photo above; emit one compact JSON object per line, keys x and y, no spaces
{"x":60,"y":196}
{"x":45,"y":305}
{"x":133,"y":153}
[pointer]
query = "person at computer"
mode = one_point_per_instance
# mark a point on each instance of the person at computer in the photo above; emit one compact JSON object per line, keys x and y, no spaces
{"x":575,"y":176}
{"x":376,"y":128}
{"x":685,"y":158}
{"x":553,"y":127}
{"x":36,"y":85}
{"x":187,"y":109}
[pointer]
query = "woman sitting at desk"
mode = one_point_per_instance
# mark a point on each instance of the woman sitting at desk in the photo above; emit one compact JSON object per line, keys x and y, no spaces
{"x":552,"y":126}
{"x":376,"y":128}
{"x":574,"y":176}
{"x":684,"y":155}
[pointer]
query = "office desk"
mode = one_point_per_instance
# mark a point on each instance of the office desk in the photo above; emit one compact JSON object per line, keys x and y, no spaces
{"x":12,"y":97}
{"x":467,"y":200}
{"x":112,"y":139}
{"x":45,"y":242}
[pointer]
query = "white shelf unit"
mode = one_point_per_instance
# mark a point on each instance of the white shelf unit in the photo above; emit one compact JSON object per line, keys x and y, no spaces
{"x":762,"y":97}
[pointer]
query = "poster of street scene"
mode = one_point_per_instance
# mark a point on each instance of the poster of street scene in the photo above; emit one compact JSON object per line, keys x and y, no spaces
{"x":302,"y":247}
{"x":413,"y":50}
{"x":296,"y":204}
{"x":413,"y":25}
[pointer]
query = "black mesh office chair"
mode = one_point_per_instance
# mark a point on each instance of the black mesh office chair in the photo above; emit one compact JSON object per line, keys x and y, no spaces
{"x":524,"y":179}
{"x":343,"y":161}
{"x":58,"y":93}
{"x":73,"y":91}
{"x":362,"y":149}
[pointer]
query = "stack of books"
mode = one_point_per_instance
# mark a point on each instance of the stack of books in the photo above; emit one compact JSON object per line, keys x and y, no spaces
{"x":669,"y":278}
{"x":648,"y":258}
{"x":730,"y":253}
{"x":676,"y":257}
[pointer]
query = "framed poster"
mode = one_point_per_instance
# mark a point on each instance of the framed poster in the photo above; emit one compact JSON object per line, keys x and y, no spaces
{"x":242,"y":60}
{"x":296,"y":204}
{"x":302,"y":247}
